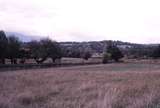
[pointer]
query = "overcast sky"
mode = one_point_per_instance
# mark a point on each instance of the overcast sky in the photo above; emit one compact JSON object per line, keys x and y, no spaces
{"x":84,"y":20}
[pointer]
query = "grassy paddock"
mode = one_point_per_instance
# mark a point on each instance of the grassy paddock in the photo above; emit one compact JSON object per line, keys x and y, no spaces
{"x":119,"y":85}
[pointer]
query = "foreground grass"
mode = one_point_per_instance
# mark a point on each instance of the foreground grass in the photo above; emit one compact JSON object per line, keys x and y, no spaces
{"x":96,"y":86}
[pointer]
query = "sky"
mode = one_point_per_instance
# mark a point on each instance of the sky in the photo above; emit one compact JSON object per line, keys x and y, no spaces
{"x":135,"y":21}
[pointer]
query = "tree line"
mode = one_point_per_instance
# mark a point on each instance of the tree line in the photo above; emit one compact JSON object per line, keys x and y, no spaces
{"x":129,"y":50}
{"x":13,"y":49}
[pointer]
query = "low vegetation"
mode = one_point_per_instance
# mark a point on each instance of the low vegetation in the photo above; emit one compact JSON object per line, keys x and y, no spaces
{"x":98,"y":86}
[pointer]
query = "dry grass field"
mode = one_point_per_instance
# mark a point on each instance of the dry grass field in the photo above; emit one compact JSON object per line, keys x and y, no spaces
{"x":118,"y":85}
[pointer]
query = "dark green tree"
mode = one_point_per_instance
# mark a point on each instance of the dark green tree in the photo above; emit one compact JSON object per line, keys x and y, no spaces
{"x":13,"y":49}
{"x":3,"y":47}
{"x":114,"y":51}
{"x":53,"y":49}
{"x":24,"y":54}
{"x":106,"y":58}
{"x":156,"y":52}
{"x":41,"y":50}
{"x":38,"y":52}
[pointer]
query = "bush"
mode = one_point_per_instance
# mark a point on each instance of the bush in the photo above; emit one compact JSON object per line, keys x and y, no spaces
{"x":115,"y":52}
{"x":106,"y":57}
{"x":86,"y":55}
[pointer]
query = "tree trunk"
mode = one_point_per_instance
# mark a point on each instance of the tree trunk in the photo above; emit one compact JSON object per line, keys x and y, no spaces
{"x":12,"y":61}
{"x":53,"y":60}
{"x":2,"y":61}
{"x":15,"y":61}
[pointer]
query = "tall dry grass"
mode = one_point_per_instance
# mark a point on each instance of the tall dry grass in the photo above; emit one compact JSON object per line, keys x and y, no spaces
{"x":97,"y":86}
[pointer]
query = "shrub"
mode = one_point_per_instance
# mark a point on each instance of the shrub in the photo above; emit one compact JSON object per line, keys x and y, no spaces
{"x":86,"y":55}
{"x":106,"y":57}
{"x":115,"y":52}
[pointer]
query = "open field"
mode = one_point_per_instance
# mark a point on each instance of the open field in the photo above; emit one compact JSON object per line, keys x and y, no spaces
{"x":117,"y":85}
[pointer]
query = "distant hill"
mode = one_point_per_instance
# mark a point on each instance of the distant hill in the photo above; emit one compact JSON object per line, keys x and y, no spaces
{"x":97,"y":46}
{"x":23,"y":37}
{"x":131,"y":50}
